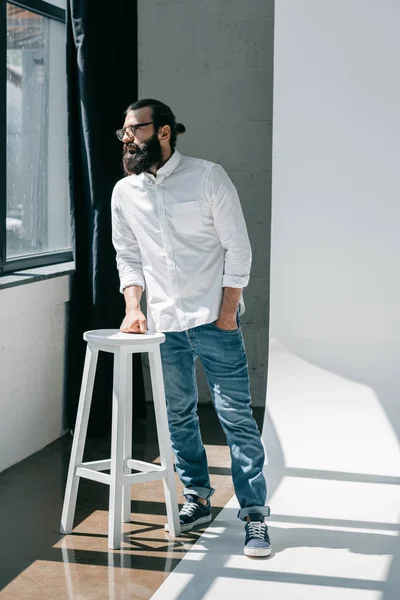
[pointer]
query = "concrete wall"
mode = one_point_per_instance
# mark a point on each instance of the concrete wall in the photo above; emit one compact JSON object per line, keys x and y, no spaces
{"x":212,"y":62}
{"x":335,"y":289}
{"x":32,"y":356}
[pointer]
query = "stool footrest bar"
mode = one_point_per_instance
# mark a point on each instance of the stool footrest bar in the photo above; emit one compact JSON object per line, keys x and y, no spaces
{"x":140,"y":465}
{"x":141,"y":477}
{"x":93,"y":475}
{"x":87,"y":471}
{"x":97,"y":465}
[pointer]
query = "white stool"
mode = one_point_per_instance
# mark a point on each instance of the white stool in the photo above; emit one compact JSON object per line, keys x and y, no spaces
{"x":120,"y":479}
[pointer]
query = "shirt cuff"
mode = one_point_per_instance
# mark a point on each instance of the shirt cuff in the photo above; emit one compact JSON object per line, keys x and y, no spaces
{"x":127,"y":282}
{"x":234,"y":281}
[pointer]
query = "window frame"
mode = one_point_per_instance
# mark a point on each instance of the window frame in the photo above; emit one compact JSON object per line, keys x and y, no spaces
{"x":45,"y":9}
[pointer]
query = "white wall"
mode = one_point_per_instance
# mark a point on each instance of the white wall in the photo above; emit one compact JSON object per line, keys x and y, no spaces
{"x":32,"y":356}
{"x":212,"y":62}
{"x":335,"y":286}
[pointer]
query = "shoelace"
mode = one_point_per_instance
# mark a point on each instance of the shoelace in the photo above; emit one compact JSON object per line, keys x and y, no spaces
{"x":189,"y":508}
{"x":256,"y":529}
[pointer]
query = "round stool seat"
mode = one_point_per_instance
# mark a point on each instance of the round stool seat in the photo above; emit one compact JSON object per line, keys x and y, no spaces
{"x":115,"y":337}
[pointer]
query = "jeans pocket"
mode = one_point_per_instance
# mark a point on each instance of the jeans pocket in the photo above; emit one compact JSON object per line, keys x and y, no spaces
{"x":237,"y":330}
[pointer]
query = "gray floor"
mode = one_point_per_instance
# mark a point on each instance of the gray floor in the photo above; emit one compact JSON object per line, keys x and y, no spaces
{"x":37,"y":563}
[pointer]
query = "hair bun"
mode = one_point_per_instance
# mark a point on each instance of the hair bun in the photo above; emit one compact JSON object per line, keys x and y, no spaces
{"x":180,"y":128}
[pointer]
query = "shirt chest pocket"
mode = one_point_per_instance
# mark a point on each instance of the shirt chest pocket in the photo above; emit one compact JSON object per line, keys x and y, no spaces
{"x":186,"y":216}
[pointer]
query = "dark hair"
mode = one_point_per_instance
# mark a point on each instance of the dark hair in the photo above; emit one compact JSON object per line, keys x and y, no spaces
{"x":161,"y":115}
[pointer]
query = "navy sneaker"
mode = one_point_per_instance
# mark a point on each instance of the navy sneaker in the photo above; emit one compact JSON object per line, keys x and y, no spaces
{"x":257,"y":539}
{"x":193,"y":513}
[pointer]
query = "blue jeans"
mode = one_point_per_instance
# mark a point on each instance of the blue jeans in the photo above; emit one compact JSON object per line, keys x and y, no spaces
{"x":223,"y":356}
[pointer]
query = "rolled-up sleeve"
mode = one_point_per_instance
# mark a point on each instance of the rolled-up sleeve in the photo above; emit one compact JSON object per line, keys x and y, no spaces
{"x":129,"y":259}
{"x":231,"y":228}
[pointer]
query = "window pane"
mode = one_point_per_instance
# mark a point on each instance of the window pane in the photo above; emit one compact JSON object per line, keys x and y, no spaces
{"x":37,"y":185}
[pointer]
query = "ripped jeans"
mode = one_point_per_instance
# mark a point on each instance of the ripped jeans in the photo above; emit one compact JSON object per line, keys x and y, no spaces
{"x":223,"y":356}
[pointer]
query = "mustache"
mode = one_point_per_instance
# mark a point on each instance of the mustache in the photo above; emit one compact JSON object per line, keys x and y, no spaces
{"x":131,"y":146}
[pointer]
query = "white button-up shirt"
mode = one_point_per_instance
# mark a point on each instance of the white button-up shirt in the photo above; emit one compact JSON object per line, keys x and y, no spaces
{"x":182,"y":237}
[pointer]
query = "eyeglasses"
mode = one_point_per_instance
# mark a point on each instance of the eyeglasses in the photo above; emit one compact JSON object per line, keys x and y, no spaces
{"x":130,"y":130}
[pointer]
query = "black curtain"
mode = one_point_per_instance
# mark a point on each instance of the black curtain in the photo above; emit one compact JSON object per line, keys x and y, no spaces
{"x":101,"y":83}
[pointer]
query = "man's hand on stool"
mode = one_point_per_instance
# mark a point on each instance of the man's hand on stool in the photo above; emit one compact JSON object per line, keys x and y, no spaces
{"x":134,"y":322}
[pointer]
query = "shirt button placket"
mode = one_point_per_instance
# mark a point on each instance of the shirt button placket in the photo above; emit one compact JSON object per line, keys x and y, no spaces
{"x":168,"y":249}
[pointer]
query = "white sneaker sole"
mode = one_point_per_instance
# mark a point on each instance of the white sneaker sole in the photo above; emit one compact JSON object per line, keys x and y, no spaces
{"x":190,"y":526}
{"x":258,"y":551}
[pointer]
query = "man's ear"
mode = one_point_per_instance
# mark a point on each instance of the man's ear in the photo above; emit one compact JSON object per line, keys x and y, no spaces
{"x":164,"y":133}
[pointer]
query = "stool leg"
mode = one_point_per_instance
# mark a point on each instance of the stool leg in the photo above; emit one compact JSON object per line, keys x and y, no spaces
{"x":78,"y":444}
{"x":160,"y":409}
{"x":126,"y":494}
{"x":117,"y":449}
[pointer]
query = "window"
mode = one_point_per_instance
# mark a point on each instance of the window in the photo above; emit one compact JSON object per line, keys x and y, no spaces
{"x":34,"y":205}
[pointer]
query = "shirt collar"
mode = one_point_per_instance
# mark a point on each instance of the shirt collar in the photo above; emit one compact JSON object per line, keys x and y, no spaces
{"x":170,"y":166}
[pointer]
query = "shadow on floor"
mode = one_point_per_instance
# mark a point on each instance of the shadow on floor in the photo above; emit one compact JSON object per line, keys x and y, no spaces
{"x":31,"y":495}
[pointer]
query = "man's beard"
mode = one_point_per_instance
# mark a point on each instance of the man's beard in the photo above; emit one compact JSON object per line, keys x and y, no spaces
{"x":143,"y":157}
